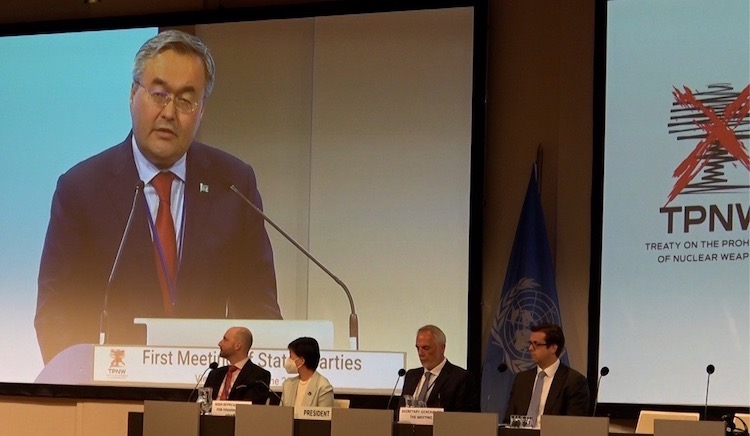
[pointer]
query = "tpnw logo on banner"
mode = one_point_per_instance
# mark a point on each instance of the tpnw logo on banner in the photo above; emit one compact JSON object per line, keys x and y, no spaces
{"x":529,"y":297}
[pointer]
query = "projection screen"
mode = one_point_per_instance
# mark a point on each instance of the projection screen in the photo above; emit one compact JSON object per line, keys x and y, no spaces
{"x":358,"y":128}
{"x":675,"y":272}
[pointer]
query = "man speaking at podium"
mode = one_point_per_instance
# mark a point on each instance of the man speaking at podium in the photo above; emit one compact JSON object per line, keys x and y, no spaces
{"x":193,"y":249}
{"x":439,"y":383}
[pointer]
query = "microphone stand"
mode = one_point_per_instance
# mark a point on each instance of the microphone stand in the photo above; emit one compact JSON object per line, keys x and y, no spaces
{"x":353,"y":320}
{"x":104,"y":316}
{"x":709,"y":370}
{"x":603,"y":372}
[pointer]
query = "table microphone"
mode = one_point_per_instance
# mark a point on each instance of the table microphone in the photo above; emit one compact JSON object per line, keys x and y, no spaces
{"x":602,"y":373}
{"x":211,"y":367}
{"x":501,"y":369}
{"x":401,"y":373}
{"x":104,"y":316}
{"x":709,"y":370}
{"x":265,"y":385}
{"x":353,"y":320}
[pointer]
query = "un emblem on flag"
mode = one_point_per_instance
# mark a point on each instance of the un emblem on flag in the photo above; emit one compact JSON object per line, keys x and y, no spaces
{"x":525,"y":305}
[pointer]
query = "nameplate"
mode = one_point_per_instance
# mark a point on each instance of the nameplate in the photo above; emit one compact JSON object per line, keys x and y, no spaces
{"x":418,"y":415}
{"x":312,"y":413}
{"x":226,"y":408}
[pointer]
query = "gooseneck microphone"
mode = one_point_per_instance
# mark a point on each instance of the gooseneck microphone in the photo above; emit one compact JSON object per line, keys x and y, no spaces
{"x":709,"y":370}
{"x":401,"y":373}
{"x":602,"y":373}
{"x":501,"y":369}
{"x":211,"y":367}
{"x":104,"y":317}
{"x":353,"y":320}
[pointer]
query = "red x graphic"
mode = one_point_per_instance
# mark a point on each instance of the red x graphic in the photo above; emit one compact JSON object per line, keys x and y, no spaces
{"x":719,"y":129}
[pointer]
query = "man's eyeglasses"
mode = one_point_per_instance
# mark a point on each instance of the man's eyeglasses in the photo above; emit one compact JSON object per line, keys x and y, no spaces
{"x":535,"y":345}
{"x":162,"y":99}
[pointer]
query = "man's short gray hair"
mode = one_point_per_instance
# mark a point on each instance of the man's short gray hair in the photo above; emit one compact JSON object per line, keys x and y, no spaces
{"x":436,"y":333}
{"x":181,"y":42}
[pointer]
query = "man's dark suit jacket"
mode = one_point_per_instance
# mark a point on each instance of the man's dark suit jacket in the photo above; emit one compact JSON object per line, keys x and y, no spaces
{"x":246,"y":387}
{"x":568,"y":393}
{"x":226,"y":270}
{"x":454,"y":389}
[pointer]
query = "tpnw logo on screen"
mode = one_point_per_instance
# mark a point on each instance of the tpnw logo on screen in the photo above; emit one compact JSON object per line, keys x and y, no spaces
{"x":715,"y":122}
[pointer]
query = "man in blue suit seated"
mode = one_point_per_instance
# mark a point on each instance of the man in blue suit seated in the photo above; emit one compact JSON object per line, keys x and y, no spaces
{"x":194,"y":249}
{"x":560,"y":390}
{"x":439,"y":383}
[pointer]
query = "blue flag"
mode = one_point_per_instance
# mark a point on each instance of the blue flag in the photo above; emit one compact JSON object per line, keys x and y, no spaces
{"x":529,"y":297}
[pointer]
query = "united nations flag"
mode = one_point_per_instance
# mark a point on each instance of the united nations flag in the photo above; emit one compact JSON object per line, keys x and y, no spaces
{"x":529,"y":297}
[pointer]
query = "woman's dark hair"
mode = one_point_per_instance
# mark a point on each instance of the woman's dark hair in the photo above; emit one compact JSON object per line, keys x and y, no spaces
{"x":306,"y":348}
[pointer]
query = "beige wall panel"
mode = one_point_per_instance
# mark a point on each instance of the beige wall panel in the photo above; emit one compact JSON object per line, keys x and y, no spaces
{"x":540,"y":92}
{"x":522,"y":115}
{"x":40,"y":417}
{"x":574,"y":180}
{"x":104,"y":418}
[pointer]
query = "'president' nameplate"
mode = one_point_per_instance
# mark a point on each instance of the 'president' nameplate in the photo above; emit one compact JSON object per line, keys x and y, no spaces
{"x":312,"y":413}
{"x":226,"y":408}
{"x":418,"y":415}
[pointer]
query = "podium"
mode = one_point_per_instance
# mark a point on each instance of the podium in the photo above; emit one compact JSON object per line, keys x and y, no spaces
{"x":167,"y":418}
{"x":456,"y":423}
{"x":688,"y":428}
{"x":257,"y":419}
{"x":75,"y":364}
{"x":553,"y":425}
{"x":361,"y":422}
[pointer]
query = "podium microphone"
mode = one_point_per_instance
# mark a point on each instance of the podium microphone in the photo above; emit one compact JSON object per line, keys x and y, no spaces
{"x":353,"y":321}
{"x":602,"y":373}
{"x":709,"y":370}
{"x":211,"y":367}
{"x":401,"y":373}
{"x":104,"y":316}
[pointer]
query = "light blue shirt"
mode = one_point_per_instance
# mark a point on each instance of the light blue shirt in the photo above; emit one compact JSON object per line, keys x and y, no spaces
{"x":147,"y":171}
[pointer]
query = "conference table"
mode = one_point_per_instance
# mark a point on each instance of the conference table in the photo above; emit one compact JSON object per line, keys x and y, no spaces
{"x":224,"y":426}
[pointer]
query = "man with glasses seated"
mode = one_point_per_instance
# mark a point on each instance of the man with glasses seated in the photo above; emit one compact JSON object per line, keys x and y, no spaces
{"x":550,"y":388}
{"x":194,"y":249}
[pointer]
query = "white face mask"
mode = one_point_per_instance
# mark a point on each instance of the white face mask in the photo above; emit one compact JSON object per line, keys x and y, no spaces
{"x":290,"y":366}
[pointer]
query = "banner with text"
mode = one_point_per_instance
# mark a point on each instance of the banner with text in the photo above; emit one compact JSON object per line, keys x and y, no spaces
{"x":352,"y":372}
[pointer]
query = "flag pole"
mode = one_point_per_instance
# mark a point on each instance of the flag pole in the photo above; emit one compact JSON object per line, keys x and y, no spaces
{"x":538,"y":163}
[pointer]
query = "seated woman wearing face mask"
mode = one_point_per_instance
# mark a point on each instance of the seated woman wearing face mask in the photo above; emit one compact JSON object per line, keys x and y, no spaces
{"x":309,"y":388}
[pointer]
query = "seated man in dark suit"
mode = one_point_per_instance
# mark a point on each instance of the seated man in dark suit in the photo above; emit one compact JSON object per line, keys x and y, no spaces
{"x":550,"y":388}
{"x":438,"y":382}
{"x":241,"y":380}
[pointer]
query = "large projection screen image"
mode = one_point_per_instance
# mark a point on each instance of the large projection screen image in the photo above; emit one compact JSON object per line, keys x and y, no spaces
{"x":358,"y":128}
{"x":675,"y":274}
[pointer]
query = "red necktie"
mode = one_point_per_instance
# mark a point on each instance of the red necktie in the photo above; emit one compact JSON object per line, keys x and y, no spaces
{"x":167,"y":238}
{"x":227,"y":383}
